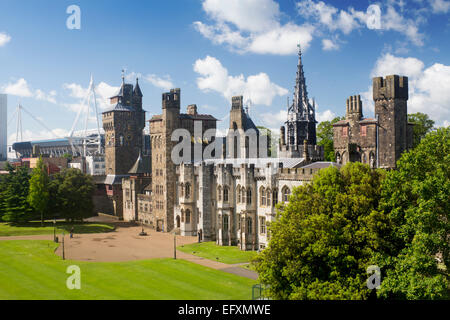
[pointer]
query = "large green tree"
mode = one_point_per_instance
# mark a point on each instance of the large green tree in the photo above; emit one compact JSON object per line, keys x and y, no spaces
{"x":325,"y":137}
{"x":38,"y":196}
{"x":13,"y":199}
{"x":72,"y":193}
{"x":416,"y":198}
{"x":323,"y":240}
{"x":422,"y":125}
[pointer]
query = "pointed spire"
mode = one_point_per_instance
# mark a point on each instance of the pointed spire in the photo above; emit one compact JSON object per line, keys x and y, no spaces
{"x":300,"y":100}
{"x":137,"y":89}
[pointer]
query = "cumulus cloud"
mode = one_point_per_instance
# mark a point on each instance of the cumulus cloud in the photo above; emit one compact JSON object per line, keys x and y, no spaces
{"x":252,"y":26}
{"x":330,"y":18}
{"x":164,"y":82}
{"x":256,"y":89}
{"x":428,"y":86}
{"x":440,"y":6}
{"x":4,"y":38}
{"x":329,"y":45}
{"x":20,"y":88}
{"x":327,"y":115}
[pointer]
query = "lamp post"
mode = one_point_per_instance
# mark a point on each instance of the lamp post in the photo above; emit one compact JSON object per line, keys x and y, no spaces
{"x":54,"y":230}
{"x":174,"y":245}
{"x":63,"y":255}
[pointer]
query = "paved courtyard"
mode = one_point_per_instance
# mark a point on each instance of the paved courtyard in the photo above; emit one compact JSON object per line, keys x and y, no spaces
{"x":125,"y":244}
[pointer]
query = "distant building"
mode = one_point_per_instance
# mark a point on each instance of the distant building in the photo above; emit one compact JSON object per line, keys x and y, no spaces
{"x":3,"y":127}
{"x":378,"y":141}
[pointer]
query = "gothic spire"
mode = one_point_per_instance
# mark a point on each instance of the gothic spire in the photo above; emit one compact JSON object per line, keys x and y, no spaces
{"x":300,"y":103}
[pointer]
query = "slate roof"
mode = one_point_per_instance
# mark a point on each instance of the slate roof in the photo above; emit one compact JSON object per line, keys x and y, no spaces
{"x":119,"y":107}
{"x":142,"y":165}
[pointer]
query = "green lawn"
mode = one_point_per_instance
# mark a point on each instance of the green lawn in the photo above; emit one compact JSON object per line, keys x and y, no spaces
{"x":226,"y":254}
{"x":34,"y":228}
{"x":30,"y":270}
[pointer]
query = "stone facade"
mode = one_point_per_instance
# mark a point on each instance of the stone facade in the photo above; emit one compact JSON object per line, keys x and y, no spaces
{"x":123,"y":124}
{"x":377,"y":141}
{"x":163,"y":169}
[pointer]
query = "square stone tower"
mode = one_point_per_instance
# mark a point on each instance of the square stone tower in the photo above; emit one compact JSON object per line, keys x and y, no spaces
{"x":394,"y":134}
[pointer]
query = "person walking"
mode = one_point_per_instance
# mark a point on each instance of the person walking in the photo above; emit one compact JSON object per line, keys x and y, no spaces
{"x":71,"y":232}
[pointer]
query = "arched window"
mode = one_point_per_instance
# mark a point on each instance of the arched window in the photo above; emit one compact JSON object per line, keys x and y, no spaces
{"x":182,"y":215}
{"x":188,"y":216}
{"x":262,"y":193}
{"x":274,"y":197}
{"x":243,"y":194}
{"x":219,"y":193}
{"x":121,"y":140}
{"x":286,"y":192}
{"x":225,"y":222}
{"x":249,"y":196}
{"x":238,"y":192}
{"x":187,"y":190}
{"x":178,"y":221}
{"x":249,"y":225}
{"x":268,"y":193}
{"x":225,"y":194}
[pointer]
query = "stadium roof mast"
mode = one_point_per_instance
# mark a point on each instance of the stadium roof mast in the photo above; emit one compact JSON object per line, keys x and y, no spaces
{"x":85,"y":107}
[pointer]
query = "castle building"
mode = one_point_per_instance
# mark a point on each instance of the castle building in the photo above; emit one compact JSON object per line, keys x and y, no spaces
{"x":164,"y":177}
{"x":123,"y":124}
{"x":230,"y":199}
{"x":378,"y":141}
{"x":299,"y":131}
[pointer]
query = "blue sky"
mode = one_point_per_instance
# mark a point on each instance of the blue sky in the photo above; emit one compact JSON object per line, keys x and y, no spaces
{"x":213,"y":49}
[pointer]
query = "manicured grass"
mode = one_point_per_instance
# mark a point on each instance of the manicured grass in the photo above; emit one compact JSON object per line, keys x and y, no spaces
{"x":30,"y":270}
{"x":210,"y":250}
{"x":34,"y":228}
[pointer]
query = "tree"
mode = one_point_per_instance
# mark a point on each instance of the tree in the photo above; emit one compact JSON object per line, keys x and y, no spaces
{"x":416,"y":199}
{"x":323,"y":240}
{"x":422,"y":125}
{"x":72,"y":194}
{"x":14,"y":192}
{"x":38,"y":195}
{"x":325,"y":137}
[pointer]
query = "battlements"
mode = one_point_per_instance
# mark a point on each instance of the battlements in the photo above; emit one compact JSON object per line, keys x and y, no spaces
{"x":354,"y":106}
{"x":391,"y":87}
{"x":237,"y":102}
{"x":192,"y":109}
{"x":171,"y":99}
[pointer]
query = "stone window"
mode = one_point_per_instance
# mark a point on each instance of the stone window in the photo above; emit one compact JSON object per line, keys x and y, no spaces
{"x":225,"y":194}
{"x":286,"y":193}
{"x":238,"y":194}
{"x":188,"y":216}
{"x":363,"y":131}
{"x":187,"y":190}
{"x":225,"y":222}
{"x":269,"y":193}
{"x":262,"y":193}
{"x":219,"y":193}
{"x":344,"y":131}
{"x":243,"y":195}
{"x":275,"y":197}
{"x":262,"y":225}
{"x":249,"y":196}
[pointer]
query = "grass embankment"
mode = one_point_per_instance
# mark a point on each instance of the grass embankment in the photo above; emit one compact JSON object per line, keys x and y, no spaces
{"x":34,"y":228}
{"x":211,"y":251}
{"x":30,"y":270}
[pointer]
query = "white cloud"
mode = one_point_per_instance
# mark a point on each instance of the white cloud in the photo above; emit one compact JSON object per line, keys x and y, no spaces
{"x":163,"y":83}
{"x":159,"y":82}
{"x":21,"y":88}
{"x":428,"y":87}
{"x":257,"y":89}
{"x":274,"y":120}
{"x":329,"y":45}
{"x":327,"y":115}
{"x":440,"y":6}
{"x":4,"y":38}
{"x":252,"y":26}
{"x":329,"y":17}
